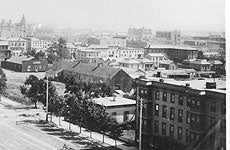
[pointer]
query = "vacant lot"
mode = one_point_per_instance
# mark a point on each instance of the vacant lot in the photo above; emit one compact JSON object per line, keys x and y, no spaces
{"x":17,"y":79}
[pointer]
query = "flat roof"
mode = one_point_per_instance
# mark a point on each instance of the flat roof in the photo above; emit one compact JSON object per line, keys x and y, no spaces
{"x":195,"y":83}
{"x":119,"y":101}
{"x":171,"y":47}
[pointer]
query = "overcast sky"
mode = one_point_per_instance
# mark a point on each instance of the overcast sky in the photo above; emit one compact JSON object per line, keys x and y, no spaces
{"x":119,"y":15}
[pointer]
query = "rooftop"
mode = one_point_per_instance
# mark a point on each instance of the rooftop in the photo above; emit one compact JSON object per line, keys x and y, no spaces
{"x":195,"y":84}
{"x":19,"y":59}
{"x":59,"y":66}
{"x":95,"y":46}
{"x":94,"y":69}
{"x":129,"y":61}
{"x":171,"y":47}
{"x":15,"y":39}
{"x":156,"y":54}
{"x":88,"y":51}
{"x":4,"y":43}
{"x":109,"y":101}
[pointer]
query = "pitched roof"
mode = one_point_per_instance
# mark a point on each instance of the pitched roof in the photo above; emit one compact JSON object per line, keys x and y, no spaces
{"x":59,"y":66}
{"x":166,"y":62}
{"x":94,"y":69}
{"x":16,"y":39}
{"x":19,"y":59}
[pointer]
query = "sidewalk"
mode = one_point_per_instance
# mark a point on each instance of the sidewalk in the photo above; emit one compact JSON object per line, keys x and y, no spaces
{"x":96,"y":137}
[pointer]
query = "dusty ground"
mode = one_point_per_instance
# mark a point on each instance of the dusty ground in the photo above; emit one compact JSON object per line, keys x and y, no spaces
{"x":23,"y":128}
{"x":20,"y":128}
{"x":17,"y":79}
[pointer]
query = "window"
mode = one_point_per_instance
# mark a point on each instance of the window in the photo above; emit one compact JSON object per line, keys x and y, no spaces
{"x":179,"y":133}
{"x":125,"y":118}
{"x":187,"y":135}
{"x":114,"y":113}
{"x":156,"y":109}
{"x":223,"y":108}
{"x":212,"y":121}
{"x":180,"y":115}
{"x":156,"y":127}
{"x":172,"y":98}
{"x":188,"y":117}
{"x":180,"y":100}
{"x":165,"y":96}
{"x":163,"y":128}
{"x":171,"y":131}
{"x":213,"y":107}
{"x":223,"y":126}
{"x":172,"y":113}
{"x":188,"y":102}
{"x":164,"y":112}
{"x":157,"y":95}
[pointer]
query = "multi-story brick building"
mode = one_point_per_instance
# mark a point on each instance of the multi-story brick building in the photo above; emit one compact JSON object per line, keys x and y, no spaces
{"x":175,"y":53}
{"x":183,"y":114}
{"x":172,"y":37}
{"x":37,"y":44}
{"x":119,"y":41}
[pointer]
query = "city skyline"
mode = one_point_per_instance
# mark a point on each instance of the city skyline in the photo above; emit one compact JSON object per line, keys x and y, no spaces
{"x":119,"y":16}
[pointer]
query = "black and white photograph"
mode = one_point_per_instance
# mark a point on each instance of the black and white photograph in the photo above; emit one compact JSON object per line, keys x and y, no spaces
{"x":114,"y":74}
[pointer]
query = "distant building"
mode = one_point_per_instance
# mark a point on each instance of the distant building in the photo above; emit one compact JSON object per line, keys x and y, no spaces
{"x":8,"y":29}
{"x":23,"y":63}
{"x":168,"y":64}
{"x":120,"y":108}
{"x":139,"y":34}
{"x":119,"y":41}
{"x":131,"y":52}
{"x":171,"y":37}
{"x":174,"y":53}
{"x":88,"y":55}
{"x":156,"y":58}
{"x":72,"y":50}
{"x":198,"y":65}
{"x":36,"y":44}
{"x":176,"y":74}
{"x":17,"y":45}
{"x":4,"y":50}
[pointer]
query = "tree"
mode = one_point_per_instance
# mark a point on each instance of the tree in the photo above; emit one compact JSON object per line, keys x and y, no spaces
{"x":37,"y":90}
{"x":2,"y":82}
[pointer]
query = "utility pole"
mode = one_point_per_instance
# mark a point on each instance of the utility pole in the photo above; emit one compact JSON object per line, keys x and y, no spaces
{"x":47,"y":97}
{"x":137,"y":110}
{"x":140,"y":128}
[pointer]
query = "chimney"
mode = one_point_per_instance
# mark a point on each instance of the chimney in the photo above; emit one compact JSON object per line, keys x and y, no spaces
{"x":187,"y":84}
{"x":161,"y":80}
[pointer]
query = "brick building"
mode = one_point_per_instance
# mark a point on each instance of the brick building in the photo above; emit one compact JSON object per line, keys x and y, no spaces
{"x":183,"y":114}
{"x":116,"y":78}
{"x":175,"y":53}
{"x":23,"y":63}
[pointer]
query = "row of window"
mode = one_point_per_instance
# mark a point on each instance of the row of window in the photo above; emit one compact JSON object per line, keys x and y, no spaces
{"x":172,"y":113}
{"x":133,"y":51}
{"x":195,"y":104}
{"x":172,"y":98}
{"x":17,"y":44}
{"x":171,"y":130}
